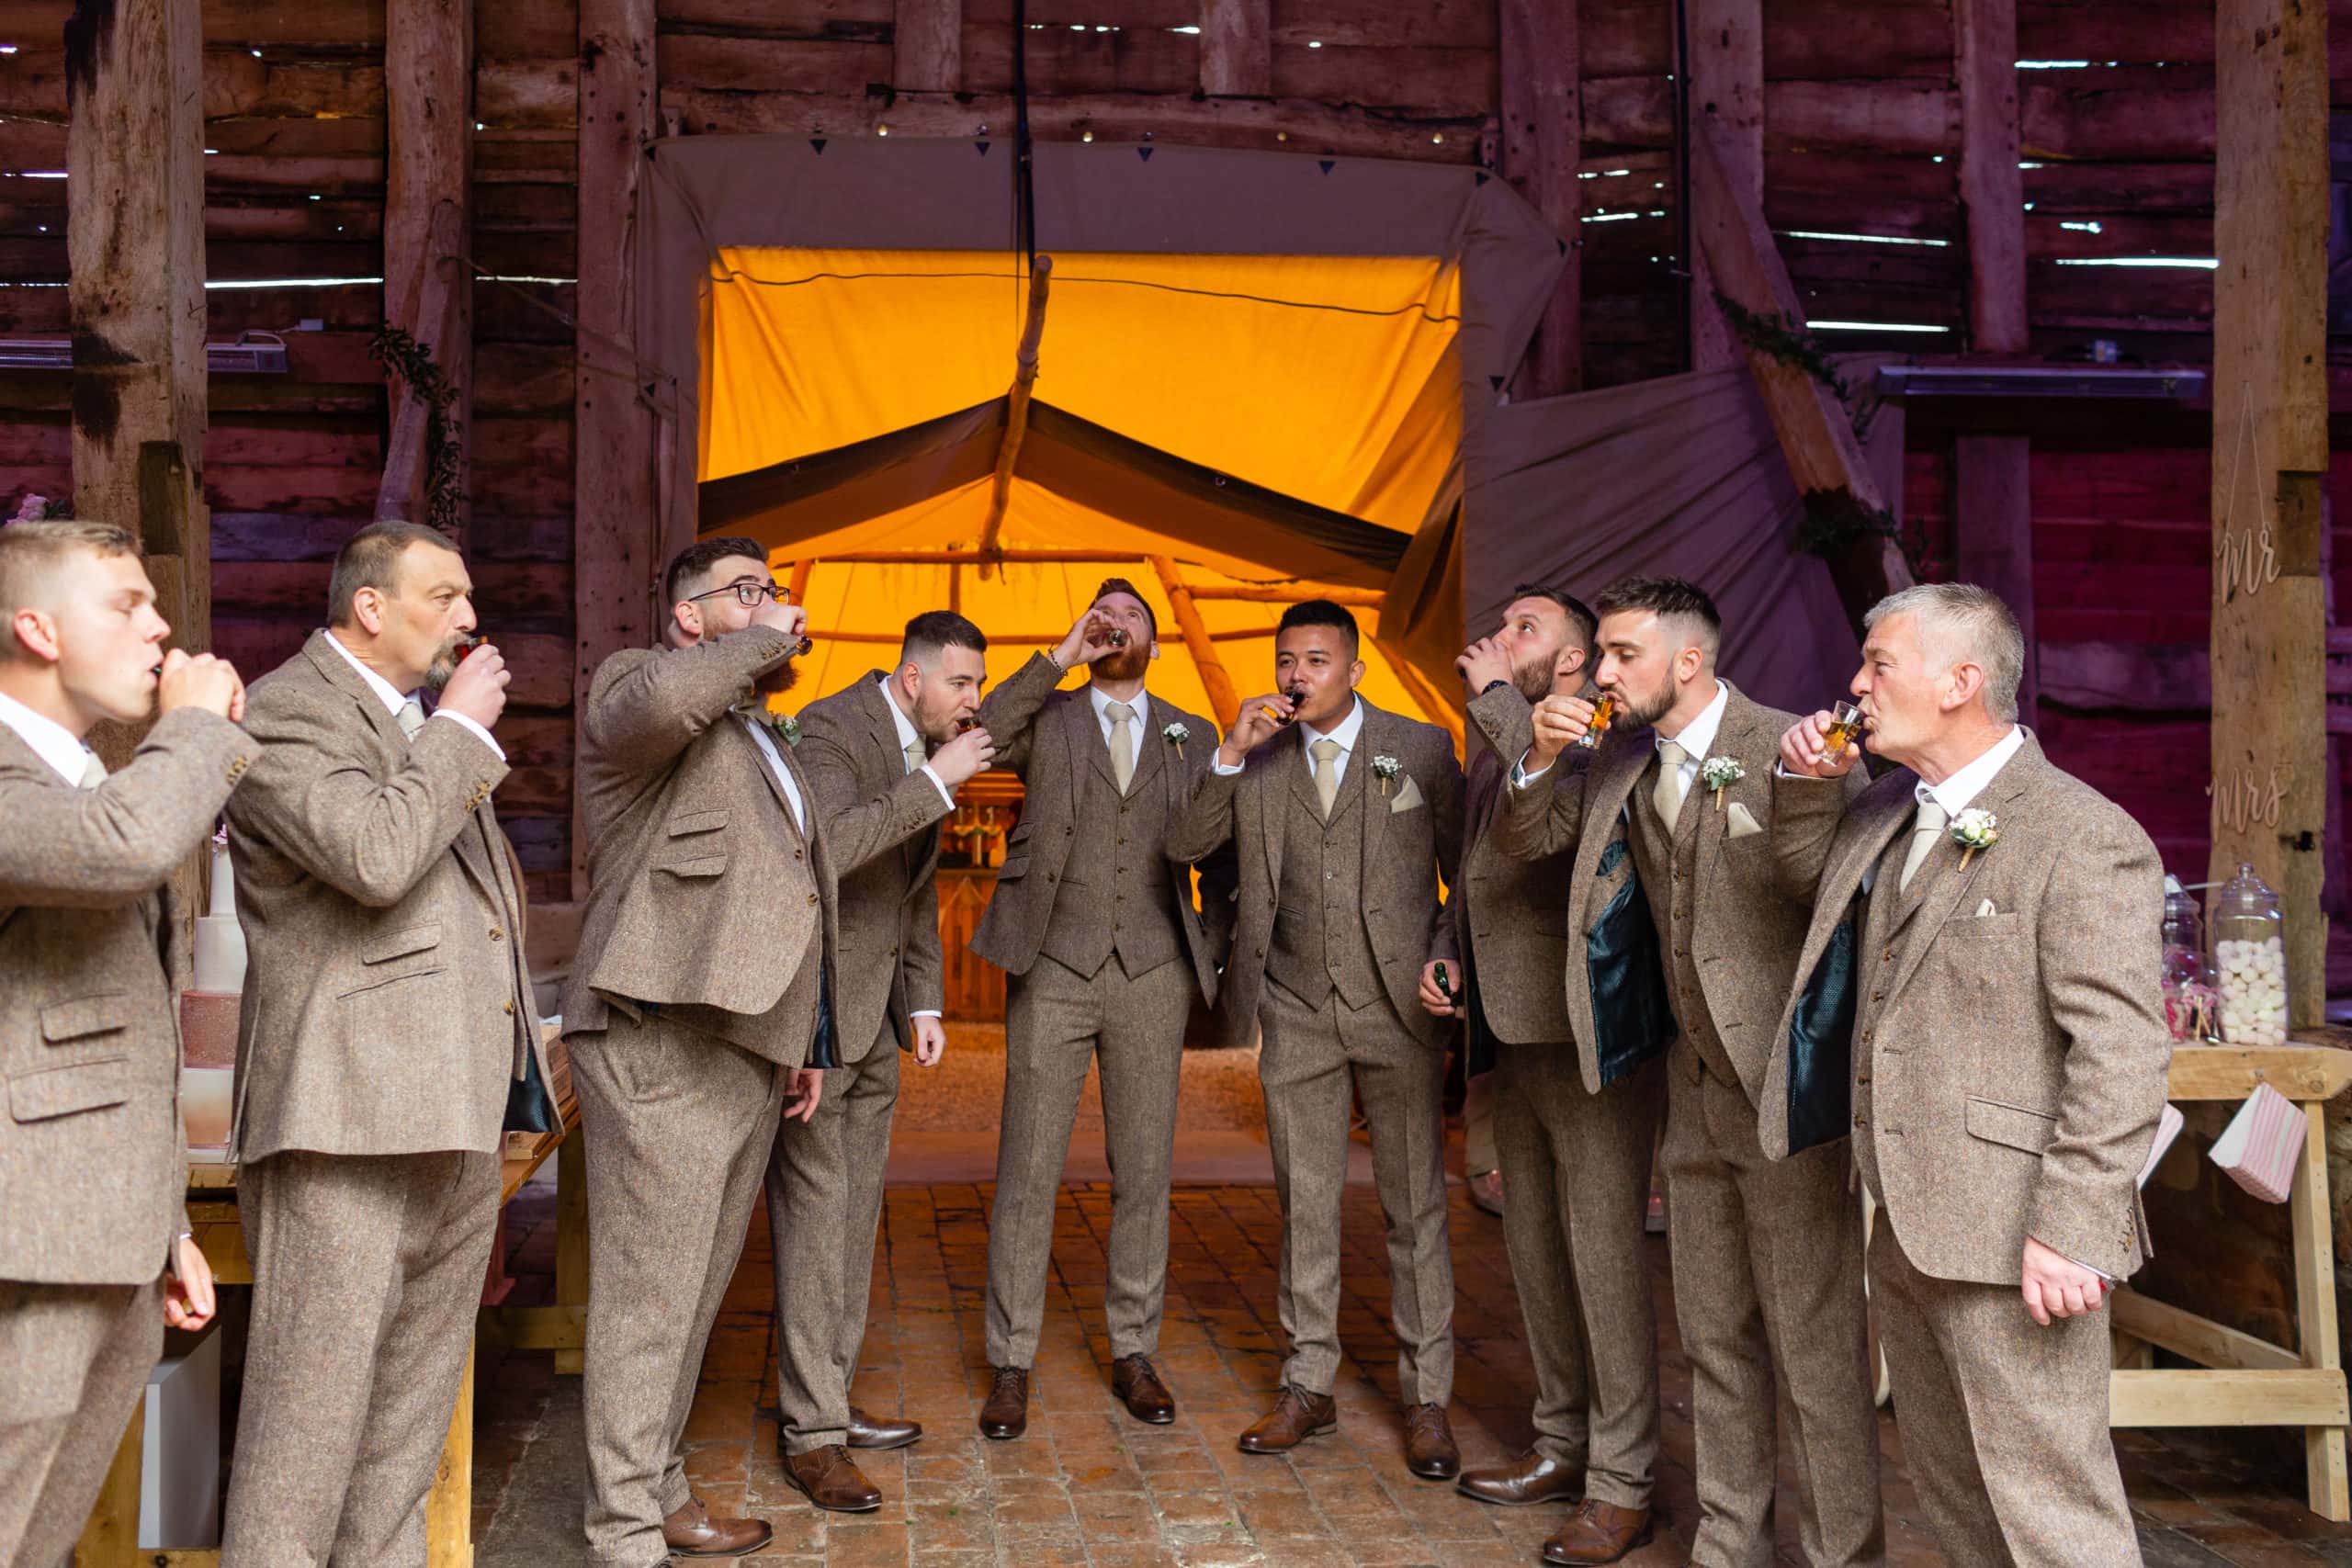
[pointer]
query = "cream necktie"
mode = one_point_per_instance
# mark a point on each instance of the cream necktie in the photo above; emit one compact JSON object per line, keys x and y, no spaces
{"x":1325,"y":753}
{"x":411,"y":718}
{"x":1668,"y":796}
{"x":1123,"y":743}
{"x":1932,"y":818}
{"x":915,"y":757}
{"x":94,"y":773}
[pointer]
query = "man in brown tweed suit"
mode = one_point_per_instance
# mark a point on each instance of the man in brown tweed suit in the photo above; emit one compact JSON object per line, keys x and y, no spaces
{"x":867,"y":753}
{"x":1577,"y":1161}
{"x":1094,"y":922}
{"x":1343,"y":828}
{"x":696,"y":1014}
{"x":2008,"y":1069}
{"x":95,"y":1253}
{"x":1767,"y":1255}
{"x":386,"y":1020}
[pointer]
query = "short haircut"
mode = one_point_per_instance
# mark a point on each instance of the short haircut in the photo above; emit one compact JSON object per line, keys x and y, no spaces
{"x":1121,"y":585}
{"x":370,"y":558}
{"x":1321,"y":613}
{"x":1583,"y":624}
{"x":1670,"y":599}
{"x":31,"y":551}
{"x":936,"y":629}
{"x":1960,"y":623}
{"x":691,"y":565}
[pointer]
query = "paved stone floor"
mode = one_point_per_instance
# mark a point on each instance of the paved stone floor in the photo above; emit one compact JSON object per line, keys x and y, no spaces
{"x":1090,"y":1486}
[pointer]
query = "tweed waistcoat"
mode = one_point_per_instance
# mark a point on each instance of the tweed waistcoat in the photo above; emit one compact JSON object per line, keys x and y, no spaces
{"x":1670,"y":869}
{"x":1116,"y":893}
{"x":1321,"y":943}
{"x":1884,"y":910}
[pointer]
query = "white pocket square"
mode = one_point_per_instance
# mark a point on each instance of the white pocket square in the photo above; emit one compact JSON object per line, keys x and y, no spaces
{"x":1985,"y":908}
{"x":1743,"y":823}
{"x":1407,"y":796}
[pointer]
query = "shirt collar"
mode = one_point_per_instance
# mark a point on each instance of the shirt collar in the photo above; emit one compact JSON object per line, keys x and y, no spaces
{"x":1698,"y":737}
{"x":392,"y":699}
{"x":51,"y":741}
{"x":1141,"y":704}
{"x":1344,"y":732}
{"x":1954,"y":794}
{"x":907,"y":736}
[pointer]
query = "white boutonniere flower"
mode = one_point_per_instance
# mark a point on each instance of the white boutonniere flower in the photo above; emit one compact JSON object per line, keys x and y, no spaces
{"x":1974,"y":830}
{"x":1386,"y":770}
{"x":1176,"y":735}
{"x":787,"y":727}
{"x":1719,"y":773}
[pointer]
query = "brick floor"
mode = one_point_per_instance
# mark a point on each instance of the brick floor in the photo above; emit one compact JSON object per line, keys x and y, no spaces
{"x":1090,"y":1486}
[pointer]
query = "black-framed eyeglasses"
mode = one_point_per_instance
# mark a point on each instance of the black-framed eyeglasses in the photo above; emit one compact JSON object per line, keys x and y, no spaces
{"x":751,"y":596}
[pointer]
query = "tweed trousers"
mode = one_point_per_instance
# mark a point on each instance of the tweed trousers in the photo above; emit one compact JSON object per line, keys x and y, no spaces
{"x":824,"y":1191}
{"x":368,"y":1272}
{"x":2004,"y":1421}
{"x":1057,"y":1021}
{"x":1767,"y":1291}
{"x":74,"y":1361}
{"x":1310,"y":1059}
{"x":1576,"y":1182}
{"x":679,"y":1126}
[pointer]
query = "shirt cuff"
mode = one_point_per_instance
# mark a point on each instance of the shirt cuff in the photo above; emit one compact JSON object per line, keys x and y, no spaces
{"x":477,"y":729}
{"x":945,"y":793}
{"x":924,"y":1013}
{"x":2105,"y":1277}
{"x":1221,"y":771}
{"x":1520,"y":778}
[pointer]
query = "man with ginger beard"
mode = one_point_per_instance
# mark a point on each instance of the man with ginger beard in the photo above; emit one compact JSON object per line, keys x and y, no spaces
{"x":386,"y":1037}
{"x":697,"y":1013}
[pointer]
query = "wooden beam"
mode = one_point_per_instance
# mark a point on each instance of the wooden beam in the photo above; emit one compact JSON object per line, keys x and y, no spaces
{"x":2306,"y":1070}
{"x":1237,"y":48}
{"x":1992,"y":191}
{"x":1816,"y":434}
{"x":1016,"y":411}
{"x":111,"y":1533}
{"x":2226,"y":1399}
{"x":1222,"y":698}
{"x":1543,"y":138}
{"x":2270,"y":784}
{"x":1365,"y":598}
{"x":449,"y":1506}
{"x":974,"y":558}
{"x":927,"y":45}
{"x":2202,"y":1340}
{"x":434,"y":311}
{"x":1993,"y":523}
{"x":428,"y":165}
{"x":617,"y":532}
{"x":1725,"y":62}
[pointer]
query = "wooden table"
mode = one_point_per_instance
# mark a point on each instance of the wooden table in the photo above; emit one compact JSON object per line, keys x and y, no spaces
{"x":2240,"y":1381}
{"x":111,"y":1538}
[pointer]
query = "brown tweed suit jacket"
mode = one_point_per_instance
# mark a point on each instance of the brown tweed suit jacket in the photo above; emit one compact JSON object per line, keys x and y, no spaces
{"x":703,"y":897}
{"x":91,"y":1154}
{"x":1512,"y":915}
{"x":1751,"y":905}
{"x":388,"y":1004}
{"x":2020,"y":1053}
{"x":889,"y":962}
{"x":1049,"y":745}
{"x":1406,"y":852}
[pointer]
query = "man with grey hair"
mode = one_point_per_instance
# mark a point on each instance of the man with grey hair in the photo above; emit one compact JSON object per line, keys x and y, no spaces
{"x":2007,"y":1070}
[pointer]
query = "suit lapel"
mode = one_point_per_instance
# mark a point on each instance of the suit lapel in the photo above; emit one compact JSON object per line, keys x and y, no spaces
{"x":1148,"y":762}
{"x":891,"y":757}
{"x":337,"y":672}
{"x":1372,"y":740}
{"x":1083,"y":738}
{"x":767,"y":774}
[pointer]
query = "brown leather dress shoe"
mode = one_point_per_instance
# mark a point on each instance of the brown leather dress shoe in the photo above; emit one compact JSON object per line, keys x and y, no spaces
{"x":833,"y":1480}
{"x":1531,"y":1478}
{"x":866,"y":1432}
{"x":1006,"y":1415}
{"x":1138,"y":1385}
{"x":692,"y":1532}
{"x":1297,"y":1417}
{"x":1430,"y":1451}
{"x":1598,"y":1532}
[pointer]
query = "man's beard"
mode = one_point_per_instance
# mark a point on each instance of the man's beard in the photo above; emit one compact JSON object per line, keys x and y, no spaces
{"x":1641,"y":714}
{"x":778,"y":680}
{"x":1127,"y":663}
{"x":1534,"y":678}
{"x":444,"y":666}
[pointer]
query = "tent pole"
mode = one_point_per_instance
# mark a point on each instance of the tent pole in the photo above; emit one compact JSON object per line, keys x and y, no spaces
{"x":1016,"y":413}
{"x":1219,"y":685}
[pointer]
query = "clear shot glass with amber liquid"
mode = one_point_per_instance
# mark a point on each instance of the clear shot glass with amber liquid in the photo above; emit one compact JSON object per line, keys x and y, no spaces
{"x":1845,"y":728}
{"x":1604,"y":709}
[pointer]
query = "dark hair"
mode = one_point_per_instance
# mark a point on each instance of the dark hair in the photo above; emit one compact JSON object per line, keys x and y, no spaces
{"x":370,"y":558}
{"x":1321,"y":613}
{"x":698,"y":557}
{"x":1121,"y":585}
{"x":1583,"y":624}
{"x":936,"y":630}
{"x":1667,"y":598}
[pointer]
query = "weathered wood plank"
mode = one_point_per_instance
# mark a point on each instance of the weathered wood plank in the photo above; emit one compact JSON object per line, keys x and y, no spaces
{"x":1543,"y":140}
{"x":538,"y":93}
{"x":542,"y":29}
{"x":927,"y":46}
{"x":1990,"y":187}
{"x":778,"y":65}
{"x":796,"y":18}
{"x":2142,"y":115}
{"x":1065,"y":61}
{"x":1864,"y":39}
{"x":1726,"y":38}
{"x":1459,"y":79}
{"x":1236,"y":48}
{"x":1994,"y":505}
{"x":2177,"y":32}
{"x":234,"y":84}
{"x":1387,"y":23}
{"x":428,"y":63}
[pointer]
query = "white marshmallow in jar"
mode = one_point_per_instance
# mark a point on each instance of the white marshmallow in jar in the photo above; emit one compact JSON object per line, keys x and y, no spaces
{"x":2249,"y":957}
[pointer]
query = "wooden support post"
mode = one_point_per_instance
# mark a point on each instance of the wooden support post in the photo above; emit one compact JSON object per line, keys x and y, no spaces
{"x":1542,"y":140}
{"x":432,"y":308}
{"x":1195,"y":632}
{"x":1237,"y":48}
{"x":429,"y":138}
{"x":2270,"y":784}
{"x":1992,"y":504}
{"x":1725,"y":62}
{"x":571,"y":1236}
{"x":617,"y":534}
{"x":1992,"y":191}
{"x":449,"y":1506}
{"x":1016,"y":412}
{"x":927,"y":42}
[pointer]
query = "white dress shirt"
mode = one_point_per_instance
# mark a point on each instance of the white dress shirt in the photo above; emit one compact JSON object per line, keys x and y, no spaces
{"x":1344,"y":732}
{"x":51,"y":741}
{"x":1697,"y":738}
{"x":907,"y":737}
{"x":755,"y":720}
{"x":394,"y":700}
{"x":1954,"y":794}
{"x":1141,"y":704}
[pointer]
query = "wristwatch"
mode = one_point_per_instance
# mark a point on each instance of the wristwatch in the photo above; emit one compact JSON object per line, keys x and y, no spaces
{"x":1492,"y":684}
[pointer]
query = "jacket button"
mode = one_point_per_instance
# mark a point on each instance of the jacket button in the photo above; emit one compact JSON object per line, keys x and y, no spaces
{"x":510,"y":1006}
{"x":812,"y":897}
{"x":497,"y":935}
{"x":1858,"y":1119}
